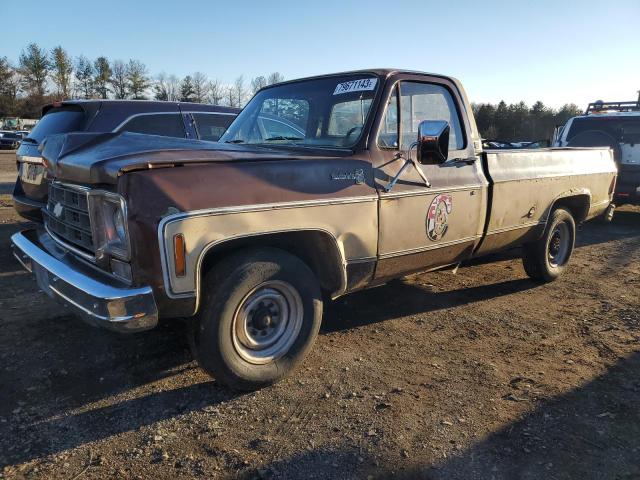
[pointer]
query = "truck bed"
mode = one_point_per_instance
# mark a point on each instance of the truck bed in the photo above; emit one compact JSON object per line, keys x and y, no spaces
{"x":525,"y":184}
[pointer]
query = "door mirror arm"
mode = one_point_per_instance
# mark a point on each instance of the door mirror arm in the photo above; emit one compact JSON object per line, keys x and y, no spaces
{"x":408,"y":161}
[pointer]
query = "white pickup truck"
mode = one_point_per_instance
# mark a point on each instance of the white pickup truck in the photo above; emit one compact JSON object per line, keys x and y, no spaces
{"x":615,"y":125}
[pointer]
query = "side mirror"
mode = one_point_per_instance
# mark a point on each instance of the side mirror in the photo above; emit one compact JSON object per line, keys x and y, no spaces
{"x":433,"y":142}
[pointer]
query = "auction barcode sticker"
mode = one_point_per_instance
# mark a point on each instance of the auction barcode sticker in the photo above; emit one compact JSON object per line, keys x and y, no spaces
{"x":356,"y":86}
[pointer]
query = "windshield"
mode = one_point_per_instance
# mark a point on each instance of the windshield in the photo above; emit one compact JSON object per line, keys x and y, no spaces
{"x":325,"y":112}
{"x":58,"y":120}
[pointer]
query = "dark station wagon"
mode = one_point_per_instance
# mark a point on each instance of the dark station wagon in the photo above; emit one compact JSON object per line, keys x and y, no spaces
{"x":169,"y":119}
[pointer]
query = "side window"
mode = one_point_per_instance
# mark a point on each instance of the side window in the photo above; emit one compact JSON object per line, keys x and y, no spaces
{"x":167,"y":125}
{"x":211,"y":126}
{"x":425,"y":101}
{"x":388,"y":136}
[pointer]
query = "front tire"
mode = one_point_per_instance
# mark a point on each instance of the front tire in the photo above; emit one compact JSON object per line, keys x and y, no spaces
{"x":547,"y":258}
{"x":260,"y":315}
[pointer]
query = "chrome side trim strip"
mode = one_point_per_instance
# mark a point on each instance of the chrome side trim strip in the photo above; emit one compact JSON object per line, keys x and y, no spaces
{"x":429,"y":191}
{"x":516,"y":227}
{"x":427,"y":248}
{"x":266,"y":206}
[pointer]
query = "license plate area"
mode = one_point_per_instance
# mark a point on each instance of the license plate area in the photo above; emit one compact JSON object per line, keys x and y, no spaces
{"x":42,"y":279}
{"x":31,"y":173}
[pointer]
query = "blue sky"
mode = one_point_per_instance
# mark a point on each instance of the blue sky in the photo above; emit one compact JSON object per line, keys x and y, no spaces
{"x":555,"y":51}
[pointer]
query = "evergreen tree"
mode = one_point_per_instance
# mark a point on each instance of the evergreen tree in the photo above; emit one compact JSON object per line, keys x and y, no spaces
{"x":102,"y":76}
{"x":61,"y":72}
{"x":84,"y":77}
{"x":34,"y":68}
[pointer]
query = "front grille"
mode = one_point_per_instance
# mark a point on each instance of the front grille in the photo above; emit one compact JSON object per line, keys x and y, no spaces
{"x":67,"y":216}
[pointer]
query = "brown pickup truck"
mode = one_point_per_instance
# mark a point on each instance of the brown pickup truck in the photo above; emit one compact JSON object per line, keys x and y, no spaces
{"x":320,"y":187}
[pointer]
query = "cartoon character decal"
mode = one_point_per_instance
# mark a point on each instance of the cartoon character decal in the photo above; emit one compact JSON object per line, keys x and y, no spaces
{"x":438,"y":216}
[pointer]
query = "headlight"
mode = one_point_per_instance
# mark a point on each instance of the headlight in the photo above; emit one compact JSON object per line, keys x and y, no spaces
{"x":108,"y":213}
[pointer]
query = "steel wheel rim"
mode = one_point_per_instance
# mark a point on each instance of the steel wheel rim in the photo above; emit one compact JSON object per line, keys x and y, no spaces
{"x":267,"y":322}
{"x":558,"y":248}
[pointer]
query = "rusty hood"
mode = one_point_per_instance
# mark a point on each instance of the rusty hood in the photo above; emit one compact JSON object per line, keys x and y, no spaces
{"x":91,"y":158}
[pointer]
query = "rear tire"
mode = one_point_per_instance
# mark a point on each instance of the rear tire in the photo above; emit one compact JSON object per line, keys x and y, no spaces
{"x":260,"y":314}
{"x":547,"y":258}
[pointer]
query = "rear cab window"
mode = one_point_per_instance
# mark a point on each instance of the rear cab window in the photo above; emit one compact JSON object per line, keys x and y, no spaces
{"x":166,"y":125}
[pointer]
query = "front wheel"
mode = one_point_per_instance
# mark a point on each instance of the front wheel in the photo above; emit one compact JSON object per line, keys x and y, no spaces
{"x":546,"y":259}
{"x":260,"y":315}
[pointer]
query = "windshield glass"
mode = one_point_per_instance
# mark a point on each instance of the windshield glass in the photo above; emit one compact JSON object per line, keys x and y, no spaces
{"x":58,"y":120}
{"x":325,"y":112}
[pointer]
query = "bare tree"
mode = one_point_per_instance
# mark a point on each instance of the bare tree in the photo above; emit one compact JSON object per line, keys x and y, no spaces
{"x":173,"y":86}
{"x":230,"y":94}
{"x":275,"y":77}
{"x":137,"y":79}
{"x":200,"y":87}
{"x":84,"y":77}
{"x":9,"y":87}
{"x":62,"y":72}
{"x":161,"y":87}
{"x":239,"y":91}
{"x":119,"y":79}
{"x":102,"y":78}
{"x":216,"y":92}
{"x":34,"y":68}
{"x":257,"y":83}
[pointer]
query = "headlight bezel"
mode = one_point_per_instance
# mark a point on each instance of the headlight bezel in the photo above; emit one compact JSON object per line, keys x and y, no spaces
{"x":103,"y":208}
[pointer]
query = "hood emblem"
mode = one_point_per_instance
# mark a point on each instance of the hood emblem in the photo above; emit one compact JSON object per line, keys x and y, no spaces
{"x":57,"y":210}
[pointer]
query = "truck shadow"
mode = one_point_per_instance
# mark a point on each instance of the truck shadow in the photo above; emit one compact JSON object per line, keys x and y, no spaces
{"x":590,"y":432}
{"x":400,"y":299}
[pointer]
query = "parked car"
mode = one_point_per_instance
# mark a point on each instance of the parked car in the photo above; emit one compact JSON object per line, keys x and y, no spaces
{"x":615,"y":125}
{"x":9,"y":139}
{"x":500,"y":144}
{"x":171,"y":119}
{"x":384,"y":176}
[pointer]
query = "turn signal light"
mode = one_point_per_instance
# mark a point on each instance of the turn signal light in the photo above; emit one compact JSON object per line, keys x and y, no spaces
{"x":179,"y":255}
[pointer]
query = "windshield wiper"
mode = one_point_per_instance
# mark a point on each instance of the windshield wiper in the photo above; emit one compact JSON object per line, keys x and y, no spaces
{"x":29,"y":140}
{"x":237,"y":140}
{"x":280,"y":137}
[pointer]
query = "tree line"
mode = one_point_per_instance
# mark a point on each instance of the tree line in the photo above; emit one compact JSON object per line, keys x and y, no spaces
{"x":519,"y":122}
{"x":42,"y":76}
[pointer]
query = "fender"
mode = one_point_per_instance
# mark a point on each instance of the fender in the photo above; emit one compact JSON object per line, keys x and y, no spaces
{"x":350,"y":223}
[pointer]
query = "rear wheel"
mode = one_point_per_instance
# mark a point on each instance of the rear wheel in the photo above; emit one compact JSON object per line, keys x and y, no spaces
{"x":546,"y":259}
{"x":261,"y":313}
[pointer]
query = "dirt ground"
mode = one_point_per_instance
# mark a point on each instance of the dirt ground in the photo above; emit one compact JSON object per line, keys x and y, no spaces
{"x":478,"y":375}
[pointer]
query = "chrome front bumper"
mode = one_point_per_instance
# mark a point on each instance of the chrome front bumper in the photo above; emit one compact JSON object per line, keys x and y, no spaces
{"x":119,"y":309}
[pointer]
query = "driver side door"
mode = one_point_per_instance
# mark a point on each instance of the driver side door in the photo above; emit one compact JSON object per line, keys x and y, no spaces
{"x":425,"y":227}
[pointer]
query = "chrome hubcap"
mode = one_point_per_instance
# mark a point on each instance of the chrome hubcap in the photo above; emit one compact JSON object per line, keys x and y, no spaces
{"x":558,"y":250}
{"x":267,"y":322}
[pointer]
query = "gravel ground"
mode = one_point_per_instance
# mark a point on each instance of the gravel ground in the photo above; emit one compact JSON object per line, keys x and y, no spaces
{"x":483,"y":374}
